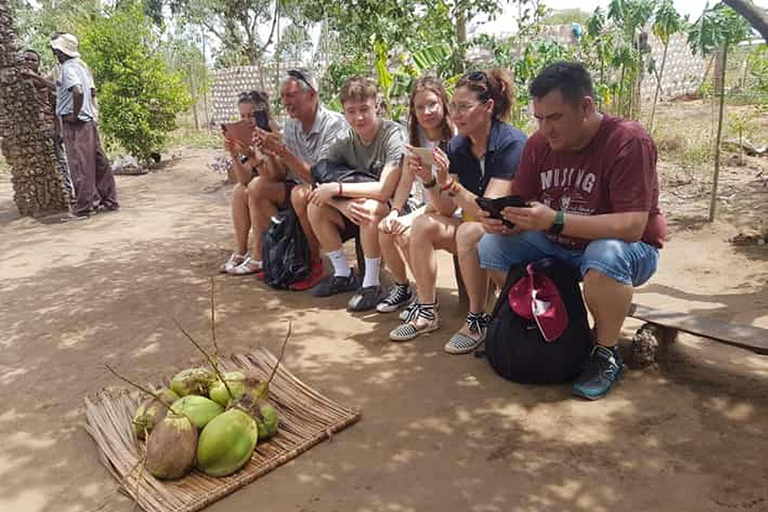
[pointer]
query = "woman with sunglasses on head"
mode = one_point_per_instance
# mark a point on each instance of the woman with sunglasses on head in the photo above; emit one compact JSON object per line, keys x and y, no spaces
{"x":429,"y":126}
{"x":480,"y":161}
{"x":252,"y":168}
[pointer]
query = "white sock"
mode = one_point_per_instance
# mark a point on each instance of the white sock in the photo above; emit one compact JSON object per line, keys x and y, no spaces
{"x":340,"y":263}
{"x":372,"y":267}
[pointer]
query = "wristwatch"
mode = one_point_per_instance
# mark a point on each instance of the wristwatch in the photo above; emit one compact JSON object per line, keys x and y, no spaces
{"x":559,"y":223}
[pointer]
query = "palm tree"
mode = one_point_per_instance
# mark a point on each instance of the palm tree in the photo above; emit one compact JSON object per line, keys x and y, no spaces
{"x":667,"y":23}
{"x":26,"y":145}
{"x":719,"y":28}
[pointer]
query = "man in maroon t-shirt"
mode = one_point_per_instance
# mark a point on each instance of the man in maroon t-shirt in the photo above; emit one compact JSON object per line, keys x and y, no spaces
{"x":593,"y":191}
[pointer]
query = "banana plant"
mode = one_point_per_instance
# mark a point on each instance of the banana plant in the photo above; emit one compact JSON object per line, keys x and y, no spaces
{"x":630,"y":16}
{"x":667,"y":23}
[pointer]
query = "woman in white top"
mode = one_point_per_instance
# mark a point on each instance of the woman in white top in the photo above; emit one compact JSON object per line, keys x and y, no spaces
{"x":429,"y":126}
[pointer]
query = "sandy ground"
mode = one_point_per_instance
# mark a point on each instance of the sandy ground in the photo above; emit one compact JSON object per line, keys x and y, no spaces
{"x":438,"y":432}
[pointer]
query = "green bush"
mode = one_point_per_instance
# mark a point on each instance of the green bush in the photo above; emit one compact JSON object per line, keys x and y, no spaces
{"x":139,"y":98}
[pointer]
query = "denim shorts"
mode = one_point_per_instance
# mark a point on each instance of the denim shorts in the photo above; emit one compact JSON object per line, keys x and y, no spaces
{"x":626,"y":262}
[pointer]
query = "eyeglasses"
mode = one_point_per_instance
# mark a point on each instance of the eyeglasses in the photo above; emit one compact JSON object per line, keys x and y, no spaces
{"x":299,"y":75}
{"x":463,"y":108}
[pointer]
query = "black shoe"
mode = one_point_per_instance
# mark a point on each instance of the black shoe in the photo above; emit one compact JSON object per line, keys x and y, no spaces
{"x":331,"y":285}
{"x":399,"y":296}
{"x":365,"y":299}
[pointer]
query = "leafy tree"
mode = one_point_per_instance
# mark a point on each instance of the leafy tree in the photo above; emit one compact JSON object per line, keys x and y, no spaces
{"x":37,"y":21}
{"x":139,"y":98}
{"x":233,"y":22}
{"x":667,"y":22}
{"x":719,"y":28}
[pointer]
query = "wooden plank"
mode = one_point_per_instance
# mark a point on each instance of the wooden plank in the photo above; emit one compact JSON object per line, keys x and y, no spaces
{"x":744,"y":336}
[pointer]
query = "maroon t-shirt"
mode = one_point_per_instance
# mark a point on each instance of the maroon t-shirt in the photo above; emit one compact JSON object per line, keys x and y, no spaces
{"x":614,"y":173}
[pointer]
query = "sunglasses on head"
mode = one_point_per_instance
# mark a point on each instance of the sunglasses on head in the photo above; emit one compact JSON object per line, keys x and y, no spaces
{"x":299,"y":75}
{"x":477,"y":76}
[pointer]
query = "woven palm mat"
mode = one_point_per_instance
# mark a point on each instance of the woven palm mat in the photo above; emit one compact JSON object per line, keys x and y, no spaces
{"x":306,"y":418}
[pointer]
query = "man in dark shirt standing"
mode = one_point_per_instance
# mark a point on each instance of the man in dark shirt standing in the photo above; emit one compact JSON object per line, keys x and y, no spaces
{"x":593,"y":187}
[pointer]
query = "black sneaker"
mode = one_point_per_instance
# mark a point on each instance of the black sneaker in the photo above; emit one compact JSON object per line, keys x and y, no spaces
{"x":331,"y":285}
{"x":365,"y":299}
{"x":603,"y":368}
{"x":399,"y":296}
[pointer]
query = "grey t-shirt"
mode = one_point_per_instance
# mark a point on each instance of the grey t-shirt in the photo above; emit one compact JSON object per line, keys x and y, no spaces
{"x":315,"y":145}
{"x":387,"y":148}
{"x":74,"y":73}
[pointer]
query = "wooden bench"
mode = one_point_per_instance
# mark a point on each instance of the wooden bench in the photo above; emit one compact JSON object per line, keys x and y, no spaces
{"x":661,"y":328}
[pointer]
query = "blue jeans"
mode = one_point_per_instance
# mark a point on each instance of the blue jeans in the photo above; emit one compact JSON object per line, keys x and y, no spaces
{"x":630,"y":263}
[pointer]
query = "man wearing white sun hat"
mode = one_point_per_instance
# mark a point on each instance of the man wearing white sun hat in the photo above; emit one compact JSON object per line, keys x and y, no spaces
{"x":89,"y":166}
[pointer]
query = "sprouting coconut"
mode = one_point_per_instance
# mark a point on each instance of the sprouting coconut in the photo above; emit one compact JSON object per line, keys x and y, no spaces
{"x":219,"y":393}
{"x":171,"y":447}
{"x":192,"y":381}
{"x":226,"y":444}
{"x":261,"y":411}
{"x":152,"y":412}
{"x":199,"y":409}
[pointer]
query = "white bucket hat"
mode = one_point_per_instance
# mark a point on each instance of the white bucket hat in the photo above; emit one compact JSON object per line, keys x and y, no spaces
{"x":66,"y":44}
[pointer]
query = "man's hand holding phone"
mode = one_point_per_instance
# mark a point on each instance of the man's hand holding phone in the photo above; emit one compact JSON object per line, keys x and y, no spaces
{"x":270,"y":143}
{"x":536,"y":216}
{"x":493,"y":219}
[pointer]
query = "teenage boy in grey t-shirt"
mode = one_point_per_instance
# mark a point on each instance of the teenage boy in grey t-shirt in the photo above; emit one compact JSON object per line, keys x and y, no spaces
{"x":337,"y":209}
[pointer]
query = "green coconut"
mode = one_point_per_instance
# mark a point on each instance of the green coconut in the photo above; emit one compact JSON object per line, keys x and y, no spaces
{"x":266,"y":420}
{"x":192,"y":381}
{"x":218,"y":391}
{"x":171,"y":447}
{"x":152,"y":412}
{"x":261,"y":411}
{"x":226,"y":444}
{"x":197,"y":408}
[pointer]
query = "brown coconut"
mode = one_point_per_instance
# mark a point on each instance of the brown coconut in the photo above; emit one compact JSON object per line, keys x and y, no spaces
{"x":171,"y":447}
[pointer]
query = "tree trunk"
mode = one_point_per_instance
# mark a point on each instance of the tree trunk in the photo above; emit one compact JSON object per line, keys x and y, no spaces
{"x":756,"y":16}
{"x":461,"y":34}
{"x":193,"y":94}
{"x":658,"y":86}
{"x":40,"y":179}
{"x":715,"y":177}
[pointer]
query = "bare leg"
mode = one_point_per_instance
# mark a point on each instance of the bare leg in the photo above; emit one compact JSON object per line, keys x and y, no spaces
{"x":241,"y":219}
{"x":475,"y":278}
{"x":608,"y":301}
{"x":299,"y":200}
{"x":430,"y":232}
{"x":369,"y":233}
{"x":264,"y":197}
{"x":394,"y":256}
{"x":327,"y":224}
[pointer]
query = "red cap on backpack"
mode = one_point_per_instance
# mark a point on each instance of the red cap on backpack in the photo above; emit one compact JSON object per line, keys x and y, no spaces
{"x":535,"y":297}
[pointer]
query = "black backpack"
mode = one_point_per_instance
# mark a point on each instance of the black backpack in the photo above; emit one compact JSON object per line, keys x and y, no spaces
{"x":515,"y":346}
{"x":284,"y":251}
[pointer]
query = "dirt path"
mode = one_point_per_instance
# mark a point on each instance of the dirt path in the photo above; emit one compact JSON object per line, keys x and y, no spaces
{"x":438,"y":432}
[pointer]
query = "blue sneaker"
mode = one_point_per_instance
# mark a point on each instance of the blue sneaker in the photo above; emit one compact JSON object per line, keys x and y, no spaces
{"x":603,"y":368}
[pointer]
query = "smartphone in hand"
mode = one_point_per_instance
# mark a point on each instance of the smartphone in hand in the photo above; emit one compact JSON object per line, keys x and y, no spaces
{"x":495,"y":206}
{"x":425,"y":154}
{"x":240,"y":131}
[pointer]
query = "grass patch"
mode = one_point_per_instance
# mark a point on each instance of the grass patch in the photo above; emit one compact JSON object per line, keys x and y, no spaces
{"x":197,"y":139}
